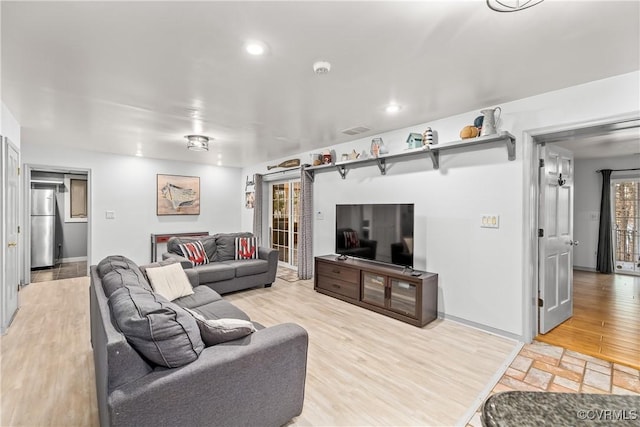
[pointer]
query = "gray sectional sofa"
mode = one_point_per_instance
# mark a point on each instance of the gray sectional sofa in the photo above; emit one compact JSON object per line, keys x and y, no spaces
{"x":224,"y":273}
{"x":257,"y":380}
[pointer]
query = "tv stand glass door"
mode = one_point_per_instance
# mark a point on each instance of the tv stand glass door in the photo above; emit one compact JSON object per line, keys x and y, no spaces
{"x":374,"y":288}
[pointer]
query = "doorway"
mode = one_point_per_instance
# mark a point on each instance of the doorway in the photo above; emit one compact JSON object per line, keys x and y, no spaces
{"x":62,"y":252}
{"x":284,"y":215}
{"x":594,"y":327}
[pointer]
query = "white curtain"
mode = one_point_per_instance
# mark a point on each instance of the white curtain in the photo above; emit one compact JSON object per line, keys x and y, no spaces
{"x":258,"y":208}
{"x":305,"y":243}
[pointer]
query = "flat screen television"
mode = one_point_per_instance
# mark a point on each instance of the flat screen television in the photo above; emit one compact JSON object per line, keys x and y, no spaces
{"x":380,"y":232}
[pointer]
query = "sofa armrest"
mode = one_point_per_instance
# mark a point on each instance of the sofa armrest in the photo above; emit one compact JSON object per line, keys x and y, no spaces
{"x":186,"y":264}
{"x":271,"y":255}
{"x":256,"y":380}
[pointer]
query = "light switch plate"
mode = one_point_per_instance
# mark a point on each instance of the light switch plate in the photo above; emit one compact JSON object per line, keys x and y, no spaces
{"x":110,"y":214}
{"x":490,"y":221}
{"x":319,"y":215}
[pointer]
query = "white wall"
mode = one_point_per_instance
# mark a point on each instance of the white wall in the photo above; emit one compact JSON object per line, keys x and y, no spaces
{"x":588,"y":188}
{"x":481,"y":279}
{"x":9,"y":126}
{"x":127,"y":185}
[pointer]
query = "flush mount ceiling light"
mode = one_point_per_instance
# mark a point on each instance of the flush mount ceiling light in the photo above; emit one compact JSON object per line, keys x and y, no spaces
{"x":511,"y":5}
{"x":255,"y":47}
{"x":198,"y":142}
{"x":321,"y":67}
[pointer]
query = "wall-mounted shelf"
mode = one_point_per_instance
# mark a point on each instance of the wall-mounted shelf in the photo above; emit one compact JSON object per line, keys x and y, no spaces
{"x":433,"y":151}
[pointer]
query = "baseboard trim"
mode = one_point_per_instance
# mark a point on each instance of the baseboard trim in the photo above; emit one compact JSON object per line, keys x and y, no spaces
{"x":481,"y":327}
{"x":74,"y":259}
{"x":577,"y":267}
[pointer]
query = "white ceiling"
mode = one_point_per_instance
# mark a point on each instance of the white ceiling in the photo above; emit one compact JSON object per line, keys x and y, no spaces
{"x":120,"y":77}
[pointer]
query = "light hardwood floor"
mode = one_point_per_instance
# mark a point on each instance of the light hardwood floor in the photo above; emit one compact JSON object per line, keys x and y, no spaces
{"x":606,"y":318}
{"x":47,"y":361}
{"x":363,"y":368}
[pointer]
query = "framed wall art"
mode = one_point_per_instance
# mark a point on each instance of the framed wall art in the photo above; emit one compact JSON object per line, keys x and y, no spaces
{"x":178,"y":195}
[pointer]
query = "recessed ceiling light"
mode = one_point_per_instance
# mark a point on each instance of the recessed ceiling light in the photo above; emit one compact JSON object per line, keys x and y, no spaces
{"x":255,"y":48}
{"x":392,"y":108}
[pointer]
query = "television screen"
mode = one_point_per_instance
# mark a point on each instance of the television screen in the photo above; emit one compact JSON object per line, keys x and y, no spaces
{"x":380,"y":232}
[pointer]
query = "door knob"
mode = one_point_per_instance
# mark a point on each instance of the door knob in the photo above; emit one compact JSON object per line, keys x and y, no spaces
{"x":12,"y":244}
{"x":574,"y":242}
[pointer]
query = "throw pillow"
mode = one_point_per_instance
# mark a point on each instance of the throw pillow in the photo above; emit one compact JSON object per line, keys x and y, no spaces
{"x":351,"y":240}
{"x":160,"y":330}
{"x":226,"y":245}
{"x":194,"y":252}
{"x":170,"y":281}
{"x":246,"y":248}
{"x":221,"y":330}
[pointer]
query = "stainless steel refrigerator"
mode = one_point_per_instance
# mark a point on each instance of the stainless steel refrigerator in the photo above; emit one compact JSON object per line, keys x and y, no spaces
{"x":43,"y":227}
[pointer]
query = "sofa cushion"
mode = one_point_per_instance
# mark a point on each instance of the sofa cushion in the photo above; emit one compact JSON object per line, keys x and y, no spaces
{"x":246,"y":248}
{"x":194,"y":252}
{"x":226,"y":245}
{"x":161,"y":331}
{"x":170,"y":281}
{"x":208,"y":242}
{"x":215,"y":272}
{"x":118,"y":278}
{"x":249,"y":267}
{"x":221,"y":310}
{"x":202,"y":295}
{"x":216,"y":331}
{"x":119,"y":263}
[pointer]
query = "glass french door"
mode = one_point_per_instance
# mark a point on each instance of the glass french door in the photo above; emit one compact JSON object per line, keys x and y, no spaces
{"x":284,"y":214}
{"x":626,"y":225}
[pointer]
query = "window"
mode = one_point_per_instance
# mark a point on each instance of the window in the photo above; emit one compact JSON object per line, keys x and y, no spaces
{"x":626,"y":194}
{"x":76,"y":199}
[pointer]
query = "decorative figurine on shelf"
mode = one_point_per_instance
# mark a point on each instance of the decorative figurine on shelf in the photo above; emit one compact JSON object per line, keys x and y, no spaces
{"x":428,"y":137}
{"x":326,"y":157}
{"x":469,"y":132}
{"x":478,"y":122}
{"x":354,"y":155}
{"x":414,"y":140}
{"x":490,"y":121}
{"x":316,"y":159}
{"x":378,"y":147}
{"x":375,"y":146}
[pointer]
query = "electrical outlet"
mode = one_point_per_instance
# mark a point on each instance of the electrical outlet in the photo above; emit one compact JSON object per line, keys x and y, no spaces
{"x":110,"y":214}
{"x":319,"y":215}
{"x":490,"y":221}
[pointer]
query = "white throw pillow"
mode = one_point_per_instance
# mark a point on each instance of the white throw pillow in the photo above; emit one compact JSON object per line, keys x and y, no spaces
{"x":170,"y":281}
{"x":216,"y":331}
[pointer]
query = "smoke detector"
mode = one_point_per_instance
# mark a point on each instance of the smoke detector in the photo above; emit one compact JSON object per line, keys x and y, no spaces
{"x":321,"y":67}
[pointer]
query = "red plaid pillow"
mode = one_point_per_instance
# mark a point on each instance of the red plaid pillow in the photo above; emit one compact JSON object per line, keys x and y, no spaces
{"x":351,"y":240}
{"x":195,"y":252}
{"x":246,"y":248}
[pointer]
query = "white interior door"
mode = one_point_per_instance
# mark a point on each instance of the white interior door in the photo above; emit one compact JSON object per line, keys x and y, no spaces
{"x":12,"y":281}
{"x":555,"y":244}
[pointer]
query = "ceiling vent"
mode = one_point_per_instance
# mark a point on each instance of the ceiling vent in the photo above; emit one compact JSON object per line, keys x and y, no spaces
{"x":356,"y":130}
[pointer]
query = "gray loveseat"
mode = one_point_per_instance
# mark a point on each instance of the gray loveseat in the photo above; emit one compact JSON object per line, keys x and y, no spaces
{"x":224,"y":273}
{"x":257,"y":380}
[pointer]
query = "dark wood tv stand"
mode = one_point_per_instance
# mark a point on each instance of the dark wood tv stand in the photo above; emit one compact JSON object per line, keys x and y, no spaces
{"x":385,"y":289}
